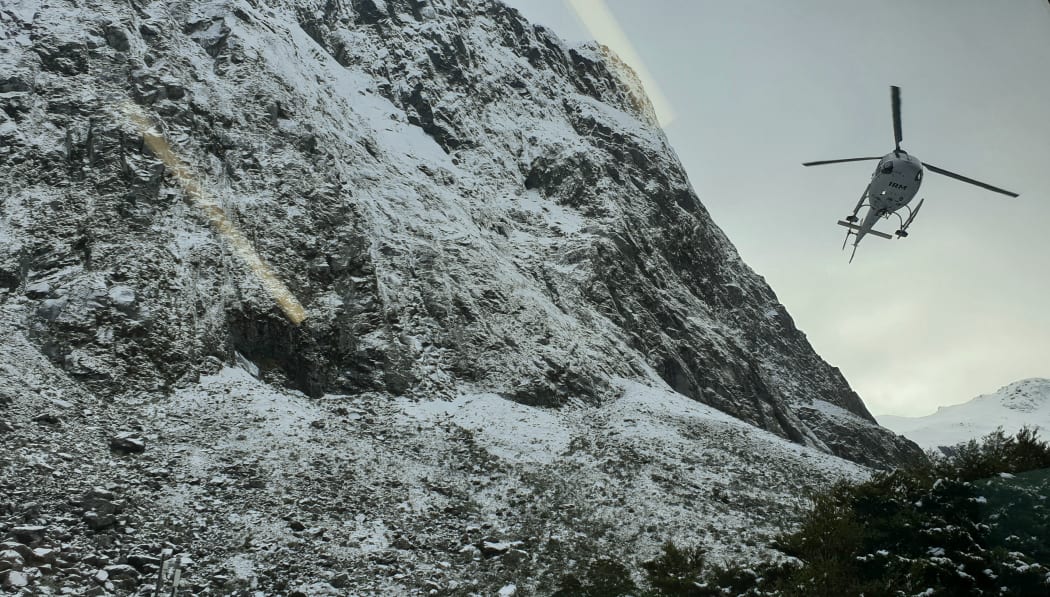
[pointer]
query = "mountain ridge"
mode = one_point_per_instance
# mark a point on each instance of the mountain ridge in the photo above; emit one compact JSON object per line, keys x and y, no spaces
{"x":1021,"y":403}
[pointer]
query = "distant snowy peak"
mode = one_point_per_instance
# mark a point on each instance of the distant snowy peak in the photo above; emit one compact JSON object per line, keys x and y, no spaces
{"x":1026,"y":396}
{"x":1025,"y":402}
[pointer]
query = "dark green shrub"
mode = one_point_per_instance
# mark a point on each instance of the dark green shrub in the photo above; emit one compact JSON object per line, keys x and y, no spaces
{"x":957,"y":526}
{"x":1029,"y":452}
{"x":603,"y":578}
{"x":993,"y":454}
{"x":677,"y":572}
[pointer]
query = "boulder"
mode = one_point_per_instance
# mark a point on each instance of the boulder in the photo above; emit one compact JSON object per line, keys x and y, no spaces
{"x":122,"y":298}
{"x":38,"y":290}
{"x":48,"y":418}
{"x":140,"y":560}
{"x":117,"y":571}
{"x":15,"y":579}
{"x":29,"y":534}
{"x":11,"y":560}
{"x":50,"y":309}
{"x":100,"y":508}
{"x":515,"y":557}
{"x":44,"y":555}
{"x":128,"y":443}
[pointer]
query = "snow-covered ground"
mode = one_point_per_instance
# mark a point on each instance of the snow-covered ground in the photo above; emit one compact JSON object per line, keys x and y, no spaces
{"x":1025,"y":402}
{"x":444,"y":476}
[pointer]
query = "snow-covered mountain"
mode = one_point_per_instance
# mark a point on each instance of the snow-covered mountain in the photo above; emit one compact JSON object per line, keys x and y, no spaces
{"x":1025,"y":402}
{"x":488,"y":326}
{"x":452,"y":195}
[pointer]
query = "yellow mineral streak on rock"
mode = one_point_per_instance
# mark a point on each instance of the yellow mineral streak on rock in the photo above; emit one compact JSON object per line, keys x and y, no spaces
{"x":160,"y":147}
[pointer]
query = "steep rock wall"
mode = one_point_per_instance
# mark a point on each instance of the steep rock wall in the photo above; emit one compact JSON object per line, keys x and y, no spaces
{"x":456,"y":198}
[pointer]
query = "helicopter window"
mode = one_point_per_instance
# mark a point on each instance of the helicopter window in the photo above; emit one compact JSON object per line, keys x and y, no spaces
{"x":887,"y":168}
{"x":918,"y":176}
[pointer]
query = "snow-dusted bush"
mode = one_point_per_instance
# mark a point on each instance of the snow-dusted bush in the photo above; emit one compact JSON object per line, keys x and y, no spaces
{"x":974,"y":522}
{"x":993,"y":454}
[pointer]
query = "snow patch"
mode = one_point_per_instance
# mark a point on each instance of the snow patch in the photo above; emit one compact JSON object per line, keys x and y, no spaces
{"x":507,"y":429}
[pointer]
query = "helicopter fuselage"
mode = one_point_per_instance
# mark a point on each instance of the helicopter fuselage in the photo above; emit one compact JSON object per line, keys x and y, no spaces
{"x":894,"y":183}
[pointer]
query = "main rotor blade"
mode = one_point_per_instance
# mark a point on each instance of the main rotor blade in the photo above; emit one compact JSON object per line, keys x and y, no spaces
{"x":895,"y":96}
{"x":969,"y":180}
{"x":821,"y":163}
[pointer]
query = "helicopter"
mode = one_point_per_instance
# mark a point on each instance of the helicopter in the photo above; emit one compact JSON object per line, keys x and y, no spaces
{"x":893,"y":185}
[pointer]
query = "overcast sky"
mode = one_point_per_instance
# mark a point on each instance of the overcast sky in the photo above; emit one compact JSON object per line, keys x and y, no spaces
{"x":960,"y":307}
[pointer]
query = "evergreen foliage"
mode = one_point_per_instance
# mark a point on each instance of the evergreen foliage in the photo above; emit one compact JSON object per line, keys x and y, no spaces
{"x":603,"y":578}
{"x":994,"y":454}
{"x":677,"y":572}
{"x":974,"y":521}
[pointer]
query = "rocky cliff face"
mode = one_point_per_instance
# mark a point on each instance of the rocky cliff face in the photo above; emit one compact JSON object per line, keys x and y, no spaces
{"x":452,"y":194}
{"x":409,"y":198}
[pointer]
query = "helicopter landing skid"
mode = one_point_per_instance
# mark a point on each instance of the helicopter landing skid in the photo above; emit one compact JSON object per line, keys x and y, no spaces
{"x":903,"y":231}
